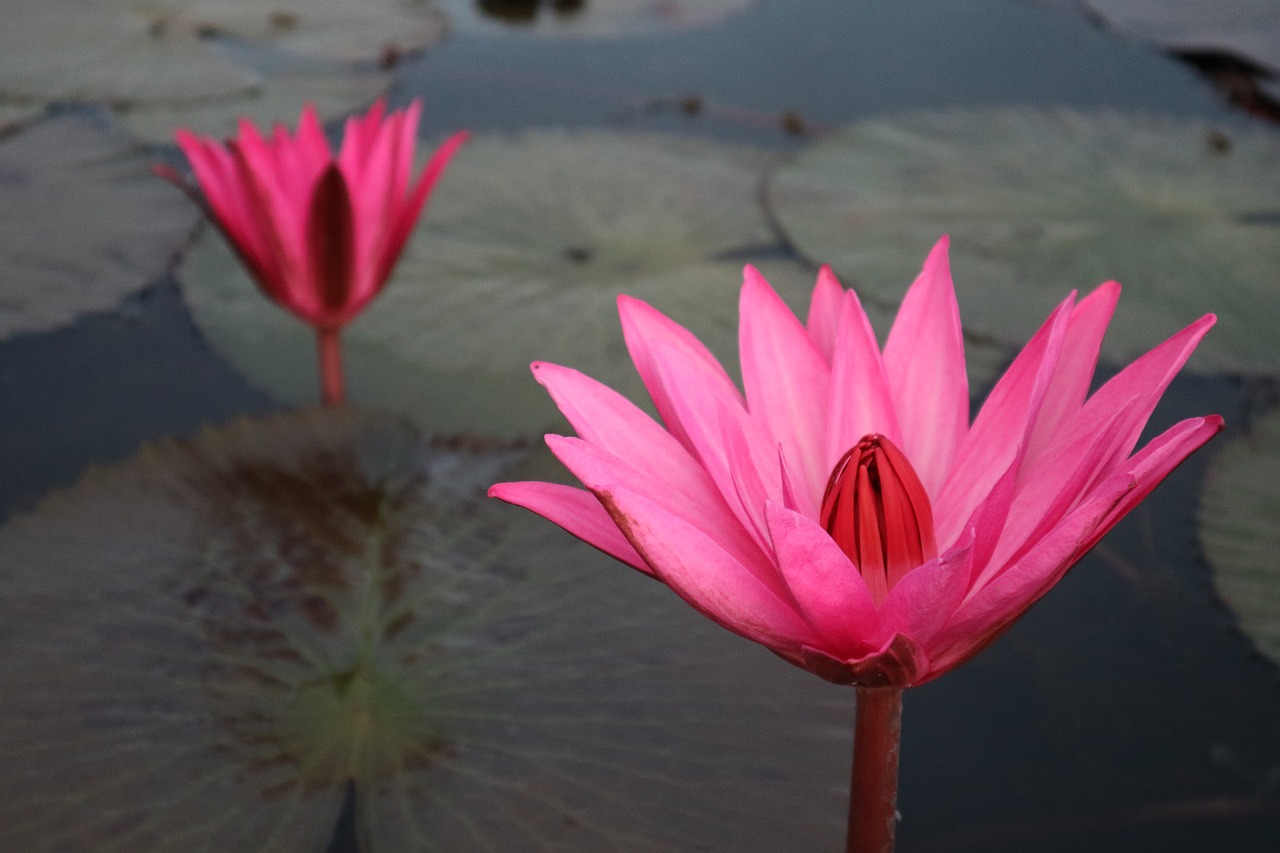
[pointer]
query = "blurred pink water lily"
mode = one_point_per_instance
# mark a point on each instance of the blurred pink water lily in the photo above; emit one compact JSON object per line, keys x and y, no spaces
{"x":319,"y":232}
{"x":843,"y":511}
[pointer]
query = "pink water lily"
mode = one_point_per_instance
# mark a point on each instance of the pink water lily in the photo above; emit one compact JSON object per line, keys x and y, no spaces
{"x":319,"y":232}
{"x":844,"y":512}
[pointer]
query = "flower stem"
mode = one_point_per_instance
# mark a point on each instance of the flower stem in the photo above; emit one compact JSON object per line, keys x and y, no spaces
{"x":873,"y":788}
{"x":330,"y":355}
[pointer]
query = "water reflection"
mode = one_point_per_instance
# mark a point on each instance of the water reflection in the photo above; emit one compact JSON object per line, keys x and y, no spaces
{"x":526,"y":11}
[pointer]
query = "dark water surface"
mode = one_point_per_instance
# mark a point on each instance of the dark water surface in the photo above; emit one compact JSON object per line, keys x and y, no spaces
{"x":1123,"y":713}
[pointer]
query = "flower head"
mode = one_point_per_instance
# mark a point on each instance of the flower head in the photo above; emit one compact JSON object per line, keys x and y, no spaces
{"x":320,"y":232}
{"x":843,"y":511}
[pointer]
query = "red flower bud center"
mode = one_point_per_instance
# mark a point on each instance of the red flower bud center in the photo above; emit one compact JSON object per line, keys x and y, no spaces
{"x":877,"y":511}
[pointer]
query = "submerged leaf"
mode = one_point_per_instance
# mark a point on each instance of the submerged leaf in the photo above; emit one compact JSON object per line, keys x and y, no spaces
{"x":1239,"y":511}
{"x":84,"y":223}
{"x":1184,"y":215}
{"x":204,"y":646}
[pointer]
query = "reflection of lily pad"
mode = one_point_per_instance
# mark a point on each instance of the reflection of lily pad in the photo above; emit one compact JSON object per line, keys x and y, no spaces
{"x":1249,"y":29}
{"x":84,"y":223}
{"x":119,"y":51}
{"x":1186,"y":216}
{"x":520,"y":257}
{"x":587,"y":17}
{"x":1240,"y":531}
{"x":202,"y":646}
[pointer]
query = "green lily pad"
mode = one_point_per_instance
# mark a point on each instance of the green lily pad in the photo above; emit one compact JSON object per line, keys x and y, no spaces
{"x":205,"y":646}
{"x":561,"y":18}
{"x":1240,"y":531}
{"x":84,"y":223}
{"x":124,"y":52}
{"x":1185,"y":215}
{"x":520,"y":256}
{"x":1249,"y":29}
{"x":278,"y":97}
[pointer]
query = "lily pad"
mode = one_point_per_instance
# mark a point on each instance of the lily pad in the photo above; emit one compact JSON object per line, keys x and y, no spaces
{"x":124,"y":52}
{"x":1184,"y":214}
{"x":84,"y":223}
{"x":1249,"y":29}
{"x":205,"y":646}
{"x":1240,"y":531}
{"x":520,"y":256}
{"x":578,"y":18}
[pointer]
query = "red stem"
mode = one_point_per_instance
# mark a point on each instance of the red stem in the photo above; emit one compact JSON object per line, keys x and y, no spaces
{"x":873,"y":788}
{"x":330,"y":355}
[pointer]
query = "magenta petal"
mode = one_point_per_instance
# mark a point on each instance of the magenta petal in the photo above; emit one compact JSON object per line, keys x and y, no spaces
{"x":647,"y":332}
{"x":924,"y":363}
{"x":922,"y":602}
{"x":706,"y":576}
{"x":861,"y":402}
{"x":828,"y":589}
{"x":1075,"y":368}
{"x":608,"y":420}
{"x":999,"y":435}
{"x":1155,"y":462}
{"x":601,"y":471}
{"x":577,"y":511}
{"x":824,"y":312}
{"x":786,"y":380}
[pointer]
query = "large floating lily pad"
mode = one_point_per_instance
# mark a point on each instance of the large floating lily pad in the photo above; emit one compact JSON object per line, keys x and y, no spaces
{"x":203,"y":647}
{"x":1249,"y":29}
{"x":520,"y":257}
{"x":1185,"y":215}
{"x":1240,"y":531}
{"x":124,"y":52}
{"x":84,"y":223}
{"x":569,"y":18}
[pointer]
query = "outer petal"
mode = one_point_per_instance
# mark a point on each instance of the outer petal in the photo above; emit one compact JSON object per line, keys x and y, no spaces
{"x":600,"y":471}
{"x":924,"y":600}
{"x":828,"y":590}
{"x":577,"y":511}
{"x":1000,"y":433}
{"x":406,"y":215}
{"x":991,"y":608}
{"x":610,"y":421}
{"x":1079,"y":358}
{"x":824,"y":312}
{"x":861,"y":402}
{"x":924,"y":362}
{"x":786,"y":380}
{"x":705,"y":575}
{"x":1142,"y":382}
{"x":1155,"y":462}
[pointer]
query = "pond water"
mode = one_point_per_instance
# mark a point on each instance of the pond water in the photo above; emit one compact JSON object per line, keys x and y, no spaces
{"x":171,"y":685}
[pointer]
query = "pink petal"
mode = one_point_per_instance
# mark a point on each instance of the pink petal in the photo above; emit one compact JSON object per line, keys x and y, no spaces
{"x":1156,"y":461}
{"x":600,"y":471}
{"x":705,"y":575}
{"x":1141,"y":384}
{"x":829,"y":592}
{"x":825,"y":307}
{"x":924,"y":363}
{"x":924,"y":600}
{"x":1003,"y":427}
{"x":407,"y":215}
{"x":646,"y":331}
{"x":577,"y":511}
{"x":861,"y":402}
{"x":1079,"y":358}
{"x":786,"y":380}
